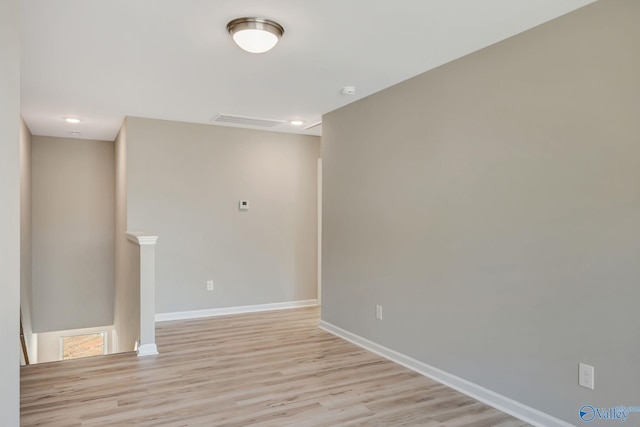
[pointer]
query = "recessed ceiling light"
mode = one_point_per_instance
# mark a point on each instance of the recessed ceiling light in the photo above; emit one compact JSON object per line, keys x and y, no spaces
{"x":73,"y":120}
{"x":255,"y":35}
{"x":296,"y":122}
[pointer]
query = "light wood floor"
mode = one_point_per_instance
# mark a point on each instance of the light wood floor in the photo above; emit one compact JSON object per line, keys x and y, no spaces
{"x":265,"y":369}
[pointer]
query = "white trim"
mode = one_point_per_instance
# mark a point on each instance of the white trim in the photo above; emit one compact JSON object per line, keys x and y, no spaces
{"x":114,"y":341}
{"x":105,"y":342}
{"x":491,"y":398}
{"x":141,"y":238}
{"x":212,"y":312}
{"x":319,"y":190}
{"x":147,"y":350}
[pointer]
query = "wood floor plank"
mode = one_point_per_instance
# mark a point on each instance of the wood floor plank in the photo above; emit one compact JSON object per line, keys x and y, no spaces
{"x":263,"y":369}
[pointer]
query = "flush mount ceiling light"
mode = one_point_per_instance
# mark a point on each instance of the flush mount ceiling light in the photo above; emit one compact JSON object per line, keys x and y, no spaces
{"x":73,"y":120}
{"x":255,"y":35}
{"x":296,"y":122}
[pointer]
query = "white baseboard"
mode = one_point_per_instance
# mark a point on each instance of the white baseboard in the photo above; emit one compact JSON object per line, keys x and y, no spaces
{"x":498,"y":401}
{"x":147,"y":350}
{"x":211,"y":312}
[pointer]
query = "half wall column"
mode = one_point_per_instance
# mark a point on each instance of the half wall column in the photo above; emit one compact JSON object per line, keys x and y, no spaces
{"x":147,"y":340}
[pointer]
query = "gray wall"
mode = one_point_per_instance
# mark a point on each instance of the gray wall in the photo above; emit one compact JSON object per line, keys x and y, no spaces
{"x":25,"y":243}
{"x":492,"y":207}
{"x":10,"y":212}
{"x":73,"y":229}
{"x":184,"y":182}
{"x":126,"y":319}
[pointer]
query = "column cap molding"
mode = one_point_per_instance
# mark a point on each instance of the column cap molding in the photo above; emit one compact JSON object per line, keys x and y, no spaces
{"x":141,"y":238}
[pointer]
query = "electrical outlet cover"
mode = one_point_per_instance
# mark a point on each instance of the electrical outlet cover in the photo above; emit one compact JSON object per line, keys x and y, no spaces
{"x":586,"y":376}
{"x":379,"y":312}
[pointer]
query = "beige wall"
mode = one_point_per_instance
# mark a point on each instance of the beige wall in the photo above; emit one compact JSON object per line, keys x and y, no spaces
{"x":25,"y":243}
{"x":492,"y":207}
{"x":184,"y":182}
{"x":127,"y":290}
{"x":73,"y":229}
{"x":10,"y":212}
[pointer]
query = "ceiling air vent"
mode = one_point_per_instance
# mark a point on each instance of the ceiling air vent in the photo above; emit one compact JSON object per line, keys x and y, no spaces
{"x":246,"y":121}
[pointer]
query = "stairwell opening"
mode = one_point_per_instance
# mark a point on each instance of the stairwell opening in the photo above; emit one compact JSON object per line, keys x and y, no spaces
{"x":86,"y":345}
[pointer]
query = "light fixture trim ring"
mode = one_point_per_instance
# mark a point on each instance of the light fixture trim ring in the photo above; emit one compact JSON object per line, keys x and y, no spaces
{"x":249,"y":23}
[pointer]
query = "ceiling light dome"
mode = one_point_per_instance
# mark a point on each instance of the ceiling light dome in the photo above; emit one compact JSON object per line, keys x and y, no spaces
{"x":255,"y":35}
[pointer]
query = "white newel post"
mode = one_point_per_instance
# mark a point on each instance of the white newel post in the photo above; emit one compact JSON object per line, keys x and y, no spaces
{"x":147,"y":243}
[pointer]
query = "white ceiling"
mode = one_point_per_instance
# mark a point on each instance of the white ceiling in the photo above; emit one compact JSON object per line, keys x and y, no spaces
{"x":102,"y":60}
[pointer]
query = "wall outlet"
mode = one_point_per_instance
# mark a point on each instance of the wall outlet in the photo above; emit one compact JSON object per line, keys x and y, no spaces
{"x":209,"y":285}
{"x":586,"y":376}
{"x":379,"y":312}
